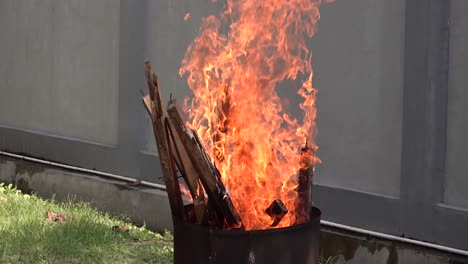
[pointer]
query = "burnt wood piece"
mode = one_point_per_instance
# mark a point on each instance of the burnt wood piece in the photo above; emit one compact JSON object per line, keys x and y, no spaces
{"x":303,"y":201}
{"x":208,"y":173}
{"x":277,"y":211}
{"x":153,"y":105}
{"x":189,"y":173}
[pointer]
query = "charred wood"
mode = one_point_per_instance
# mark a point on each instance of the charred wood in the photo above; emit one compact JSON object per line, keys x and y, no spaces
{"x":276,"y":211}
{"x":303,"y":201}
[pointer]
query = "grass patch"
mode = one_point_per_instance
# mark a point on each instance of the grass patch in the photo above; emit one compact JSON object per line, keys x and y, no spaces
{"x":85,"y":235}
{"x":326,"y":260}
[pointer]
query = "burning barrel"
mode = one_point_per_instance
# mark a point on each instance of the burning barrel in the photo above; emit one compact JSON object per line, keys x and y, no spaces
{"x":211,"y":228}
{"x":297,"y":244}
{"x":241,"y":159}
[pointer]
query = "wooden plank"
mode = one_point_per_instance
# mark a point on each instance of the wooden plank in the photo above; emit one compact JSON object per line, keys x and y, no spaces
{"x":189,"y":174}
{"x":191,"y":177}
{"x":153,"y":105}
{"x":208,"y":173}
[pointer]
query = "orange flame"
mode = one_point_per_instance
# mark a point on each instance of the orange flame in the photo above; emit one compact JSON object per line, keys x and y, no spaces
{"x":236,"y":109}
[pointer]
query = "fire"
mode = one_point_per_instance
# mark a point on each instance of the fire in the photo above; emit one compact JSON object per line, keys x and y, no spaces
{"x":233,"y":73}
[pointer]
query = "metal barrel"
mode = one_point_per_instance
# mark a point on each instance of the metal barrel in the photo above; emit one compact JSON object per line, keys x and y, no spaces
{"x":297,"y":244}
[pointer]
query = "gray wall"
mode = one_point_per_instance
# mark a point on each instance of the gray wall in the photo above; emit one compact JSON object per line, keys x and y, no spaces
{"x":359,"y":73}
{"x":456,"y":189}
{"x":392,"y":78}
{"x":59,"y":70}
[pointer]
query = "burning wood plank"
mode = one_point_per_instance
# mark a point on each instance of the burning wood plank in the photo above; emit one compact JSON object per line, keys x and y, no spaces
{"x":303,"y":201}
{"x":189,"y":174}
{"x":208,"y":173}
{"x":277,"y":211}
{"x":153,"y":105}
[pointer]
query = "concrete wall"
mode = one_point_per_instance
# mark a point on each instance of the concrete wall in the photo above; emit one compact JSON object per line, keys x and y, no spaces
{"x":69,"y":92}
{"x":358,"y":61}
{"x":59,"y":70}
{"x":456,"y":189}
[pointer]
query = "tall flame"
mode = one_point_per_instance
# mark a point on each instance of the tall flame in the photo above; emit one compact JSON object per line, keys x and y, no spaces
{"x":233,"y":72}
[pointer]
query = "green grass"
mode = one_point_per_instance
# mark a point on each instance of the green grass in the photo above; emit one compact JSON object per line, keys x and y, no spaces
{"x":86,"y":236}
{"x":326,"y":260}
